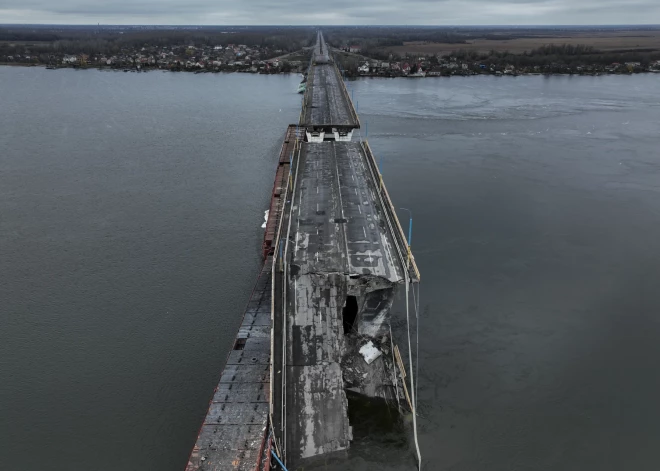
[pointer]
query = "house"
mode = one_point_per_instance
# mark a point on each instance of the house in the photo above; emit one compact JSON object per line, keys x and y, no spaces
{"x":69,"y":59}
{"x":364,"y":68}
{"x":405,"y":68}
{"x":355,"y":49}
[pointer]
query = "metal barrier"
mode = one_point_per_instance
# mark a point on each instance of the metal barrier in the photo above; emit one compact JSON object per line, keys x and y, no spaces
{"x":397,"y":231}
{"x":279,"y":271}
{"x":347,"y":97}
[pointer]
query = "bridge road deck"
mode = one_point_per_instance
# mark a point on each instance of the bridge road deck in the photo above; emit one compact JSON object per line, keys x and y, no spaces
{"x":337,"y":228}
{"x":321,"y":54}
{"x":340,"y":226}
{"x":326,"y":101}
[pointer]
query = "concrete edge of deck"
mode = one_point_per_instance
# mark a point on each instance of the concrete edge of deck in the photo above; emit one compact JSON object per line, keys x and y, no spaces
{"x":388,"y":206}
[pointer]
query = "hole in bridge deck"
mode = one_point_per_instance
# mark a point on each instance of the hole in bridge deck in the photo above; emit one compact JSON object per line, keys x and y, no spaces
{"x":349,"y":314}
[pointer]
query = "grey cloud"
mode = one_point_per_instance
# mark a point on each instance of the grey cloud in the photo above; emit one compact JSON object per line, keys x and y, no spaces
{"x":338,"y":12}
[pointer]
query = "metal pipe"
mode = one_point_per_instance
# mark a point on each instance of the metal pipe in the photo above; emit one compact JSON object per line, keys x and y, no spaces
{"x":409,"y":226}
{"x":278,"y":460}
{"x":396,"y":381}
{"x":412,"y":377}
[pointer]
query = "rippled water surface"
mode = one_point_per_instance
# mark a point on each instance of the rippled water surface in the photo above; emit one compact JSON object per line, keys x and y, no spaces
{"x":130,"y":216}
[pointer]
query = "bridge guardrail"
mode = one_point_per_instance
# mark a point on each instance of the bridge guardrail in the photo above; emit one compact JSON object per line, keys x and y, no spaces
{"x":389,"y":208}
{"x":279,"y":275}
{"x":307,"y":97}
{"x":347,"y":97}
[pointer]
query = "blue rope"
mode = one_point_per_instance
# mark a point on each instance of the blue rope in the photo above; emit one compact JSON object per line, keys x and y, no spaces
{"x":278,"y":460}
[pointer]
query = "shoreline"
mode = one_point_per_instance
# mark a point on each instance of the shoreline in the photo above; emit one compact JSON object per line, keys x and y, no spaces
{"x":144,"y":70}
{"x":530,"y":74}
{"x":207,"y":71}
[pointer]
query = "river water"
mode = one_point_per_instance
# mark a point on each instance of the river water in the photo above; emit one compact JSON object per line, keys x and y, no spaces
{"x":130,"y":216}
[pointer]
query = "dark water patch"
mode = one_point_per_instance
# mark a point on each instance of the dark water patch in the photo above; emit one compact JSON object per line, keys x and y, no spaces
{"x":130,"y":231}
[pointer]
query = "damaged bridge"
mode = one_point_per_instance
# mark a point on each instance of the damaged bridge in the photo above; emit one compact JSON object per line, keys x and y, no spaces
{"x":318,"y":322}
{"x":340,"y":257}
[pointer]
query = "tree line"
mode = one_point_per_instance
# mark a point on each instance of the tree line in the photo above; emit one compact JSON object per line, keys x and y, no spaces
{"x":104,"y":40}
{"x":566,"y":54}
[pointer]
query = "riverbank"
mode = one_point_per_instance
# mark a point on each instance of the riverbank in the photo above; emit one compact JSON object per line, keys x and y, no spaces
{"x":549,"y":60}
{"x":302,"y":69}
{"x":271,"y":71}
{"x":522,"y":74}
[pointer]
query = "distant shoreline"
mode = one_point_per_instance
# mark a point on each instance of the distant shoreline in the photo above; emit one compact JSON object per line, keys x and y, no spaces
{"x":143,"y":70}
{"x":522,"y":74}
{"x":208,"y":71}
{"x":202,"y":71}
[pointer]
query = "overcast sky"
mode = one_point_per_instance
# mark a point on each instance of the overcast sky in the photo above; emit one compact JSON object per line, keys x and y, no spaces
{"x":349,"y":12}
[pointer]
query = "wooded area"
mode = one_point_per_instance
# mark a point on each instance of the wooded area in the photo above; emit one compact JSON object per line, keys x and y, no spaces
{"x":112,"y":40}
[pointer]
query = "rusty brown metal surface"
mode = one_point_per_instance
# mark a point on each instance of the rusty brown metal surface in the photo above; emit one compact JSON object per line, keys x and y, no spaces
{"x":233,"y":432}
{"x":293,"y":134}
